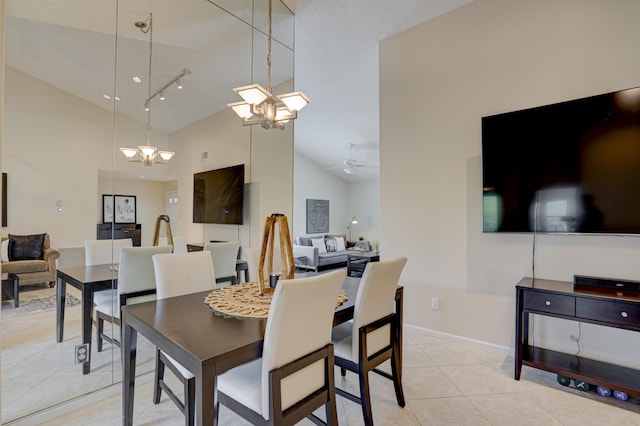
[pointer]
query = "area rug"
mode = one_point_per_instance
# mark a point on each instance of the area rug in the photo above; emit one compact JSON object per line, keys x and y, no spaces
{"x":35,"y":301}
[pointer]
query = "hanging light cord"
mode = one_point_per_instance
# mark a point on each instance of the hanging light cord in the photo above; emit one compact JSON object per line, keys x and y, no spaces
{"x":269,"y":52}
{"x":149,"y":30}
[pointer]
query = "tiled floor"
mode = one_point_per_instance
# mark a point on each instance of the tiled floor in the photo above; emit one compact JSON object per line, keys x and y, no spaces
{"x":445,"y":382}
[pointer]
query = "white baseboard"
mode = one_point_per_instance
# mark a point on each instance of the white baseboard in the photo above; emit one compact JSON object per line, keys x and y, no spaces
{"x":460,"y":339}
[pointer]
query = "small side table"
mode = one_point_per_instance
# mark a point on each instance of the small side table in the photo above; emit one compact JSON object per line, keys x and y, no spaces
{"x":357,"y":261}
{"x":10,"y":288}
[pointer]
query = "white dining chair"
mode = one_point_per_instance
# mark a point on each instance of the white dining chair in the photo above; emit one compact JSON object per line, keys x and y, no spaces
{"x":177,"y":274}
{"x":136,"y":284}
{"x":179,"y":243}
{"x":253,"y":263}
{"x":370,"y":338}
{"x":294,"y":376}
{"x":224,"y":256}
{"x":104,"y":252}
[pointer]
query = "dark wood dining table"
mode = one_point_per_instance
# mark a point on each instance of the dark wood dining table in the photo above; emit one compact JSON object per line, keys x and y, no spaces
{"x":87,"y":279}
{"x":206,"y":344}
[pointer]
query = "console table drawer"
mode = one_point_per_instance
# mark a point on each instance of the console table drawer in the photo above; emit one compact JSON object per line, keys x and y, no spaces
{"x":614,"y":312}
{"x":552,"y":303}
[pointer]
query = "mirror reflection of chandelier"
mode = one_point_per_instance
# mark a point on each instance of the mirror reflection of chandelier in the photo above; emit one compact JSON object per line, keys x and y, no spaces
{"x":147,"y":154}
{"x":261,"y":107}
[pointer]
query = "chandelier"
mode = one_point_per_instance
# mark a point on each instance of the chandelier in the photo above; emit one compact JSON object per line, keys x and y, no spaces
{"x":147,"y":154}
{"x":261,"y":107}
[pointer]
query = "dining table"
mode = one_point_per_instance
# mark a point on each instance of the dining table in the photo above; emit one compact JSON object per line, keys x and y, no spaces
{"x":89,"y":280}
{"x":205,"y":343}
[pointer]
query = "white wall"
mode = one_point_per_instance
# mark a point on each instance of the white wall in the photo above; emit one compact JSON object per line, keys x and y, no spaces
{"x":150,"y":197}
{"x":311,"y":182}
{"x":345,"y":200}
{"x":364,"y":202}
{"x":268,"y":159}
{"x":436,"y":82}
{"x":54,"y":145}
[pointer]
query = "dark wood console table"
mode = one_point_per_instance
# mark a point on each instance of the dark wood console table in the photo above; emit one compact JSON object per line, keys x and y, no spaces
{"x":609,"y":308}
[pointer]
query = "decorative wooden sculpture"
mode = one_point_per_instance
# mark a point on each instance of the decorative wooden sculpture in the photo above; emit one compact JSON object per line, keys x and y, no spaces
{"x":156,"y":236}
{"x":286,"y":250}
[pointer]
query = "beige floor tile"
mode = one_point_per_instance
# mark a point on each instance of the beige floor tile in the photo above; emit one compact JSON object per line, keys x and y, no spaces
{"x":447,"y":411}
{"x":512,"y":409}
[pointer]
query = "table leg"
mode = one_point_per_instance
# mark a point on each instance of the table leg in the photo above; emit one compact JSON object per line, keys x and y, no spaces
{"x":16,"y":291}
{"x":87,"y":307}
{"x":520,"y":337}
{"x":399,"y":314}
{"x":129,"y":346}
{"x":205,"y":392}
{"x":61,"y":291}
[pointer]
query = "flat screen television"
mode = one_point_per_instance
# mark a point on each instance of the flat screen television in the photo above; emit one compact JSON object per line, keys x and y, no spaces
{"x":218,"y":196}
{"x":570,"y":167}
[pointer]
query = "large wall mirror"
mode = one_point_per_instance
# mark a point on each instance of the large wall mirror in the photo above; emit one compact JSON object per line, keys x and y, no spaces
{"x":71,"y":102}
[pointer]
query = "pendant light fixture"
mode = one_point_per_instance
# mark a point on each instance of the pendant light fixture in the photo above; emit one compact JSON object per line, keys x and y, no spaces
{"x":260,"y":106}
{"x":148,"y":155}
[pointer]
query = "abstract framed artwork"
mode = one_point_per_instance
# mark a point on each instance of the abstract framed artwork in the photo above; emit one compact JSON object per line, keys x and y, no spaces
{"x":317,"y":216}
{"x":118,"y":208}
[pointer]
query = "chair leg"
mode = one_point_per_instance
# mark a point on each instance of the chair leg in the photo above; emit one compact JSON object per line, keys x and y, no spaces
{"x":189,"y":401}
{"x":397,"y":379}
{"x":99,"y":332}
{"x":365,"y":398}
{"x":158,"y":377}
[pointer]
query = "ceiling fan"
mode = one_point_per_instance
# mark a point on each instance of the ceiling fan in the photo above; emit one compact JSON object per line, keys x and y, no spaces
{"x":351,"y":166}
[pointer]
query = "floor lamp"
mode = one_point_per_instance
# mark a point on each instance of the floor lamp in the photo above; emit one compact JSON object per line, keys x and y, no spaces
{"x":353,"y":221}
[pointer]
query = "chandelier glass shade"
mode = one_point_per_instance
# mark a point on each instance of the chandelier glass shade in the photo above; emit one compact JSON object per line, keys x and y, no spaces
{"x":260,"y":106}
{"x":147,"y":154}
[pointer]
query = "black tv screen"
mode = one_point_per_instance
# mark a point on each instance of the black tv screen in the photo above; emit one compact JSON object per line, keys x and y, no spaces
{"x":570,"y":167}
{"x":218,"y":195}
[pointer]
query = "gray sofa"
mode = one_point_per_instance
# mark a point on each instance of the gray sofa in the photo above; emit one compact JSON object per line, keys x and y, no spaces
{"x":310,"y":257}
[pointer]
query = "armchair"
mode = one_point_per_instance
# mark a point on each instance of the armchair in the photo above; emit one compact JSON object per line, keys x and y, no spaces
{"x":32,"y":271}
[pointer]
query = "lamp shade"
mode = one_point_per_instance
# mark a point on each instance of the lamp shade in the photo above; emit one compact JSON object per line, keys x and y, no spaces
{"x":147,"y":150}
{"x":243,"y":109}
{"x":294,"y":101}
{"x":129,"y":152}
{"x":253,"y":93}
{"x":166,"y":155}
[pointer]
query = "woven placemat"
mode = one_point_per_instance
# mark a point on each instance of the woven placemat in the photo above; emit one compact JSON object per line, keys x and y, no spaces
{"x":245,"y":301}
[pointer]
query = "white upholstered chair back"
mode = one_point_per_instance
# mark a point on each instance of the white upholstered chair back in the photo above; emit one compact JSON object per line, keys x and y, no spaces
{"x":183,"y":273}
{"x":136,"y":273}
{"x":103,"y":252}
{"x":179,"y":243}
{"x":224,"y":256}
{"x":300,"y":321}
{"x":375,"y":299}
{"x":253,"y":263}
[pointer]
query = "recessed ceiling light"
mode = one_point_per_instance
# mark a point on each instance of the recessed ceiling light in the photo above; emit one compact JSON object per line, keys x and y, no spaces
{"x":104,"y":95}
{"x":136,"y":79}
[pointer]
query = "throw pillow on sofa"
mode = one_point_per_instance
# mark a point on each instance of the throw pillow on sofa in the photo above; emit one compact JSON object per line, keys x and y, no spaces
{"x":319,"y":242}
{"x":26,"y":247}
{"x":4,"y":251}
{"x":332,"y":244}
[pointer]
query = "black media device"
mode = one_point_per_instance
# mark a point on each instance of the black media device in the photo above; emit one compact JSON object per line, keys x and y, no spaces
{"x":605,"y":283}
{"x":570,"y":167}
{"x":218,"y":196}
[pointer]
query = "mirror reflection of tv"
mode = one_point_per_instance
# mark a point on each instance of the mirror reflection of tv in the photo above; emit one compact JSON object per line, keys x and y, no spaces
{"x":218,"y":195}
{"x":570,"y":167}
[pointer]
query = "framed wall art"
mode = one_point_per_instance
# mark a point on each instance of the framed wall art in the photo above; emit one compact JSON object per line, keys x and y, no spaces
{"x":317,"y":216}
{"x":119,"y":208}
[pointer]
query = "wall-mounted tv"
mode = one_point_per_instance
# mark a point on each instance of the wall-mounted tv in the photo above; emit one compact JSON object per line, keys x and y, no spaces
{"x":218,"y":195}
{"x":570,"y":167}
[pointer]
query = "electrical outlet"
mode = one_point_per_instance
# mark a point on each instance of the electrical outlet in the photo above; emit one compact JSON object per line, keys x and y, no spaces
{"x":82,"y":353}
{"x":435,"y":303}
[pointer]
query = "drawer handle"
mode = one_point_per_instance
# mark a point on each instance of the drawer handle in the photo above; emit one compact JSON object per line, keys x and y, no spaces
{"x":548,"y":302}
{"x":624,"y":314}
